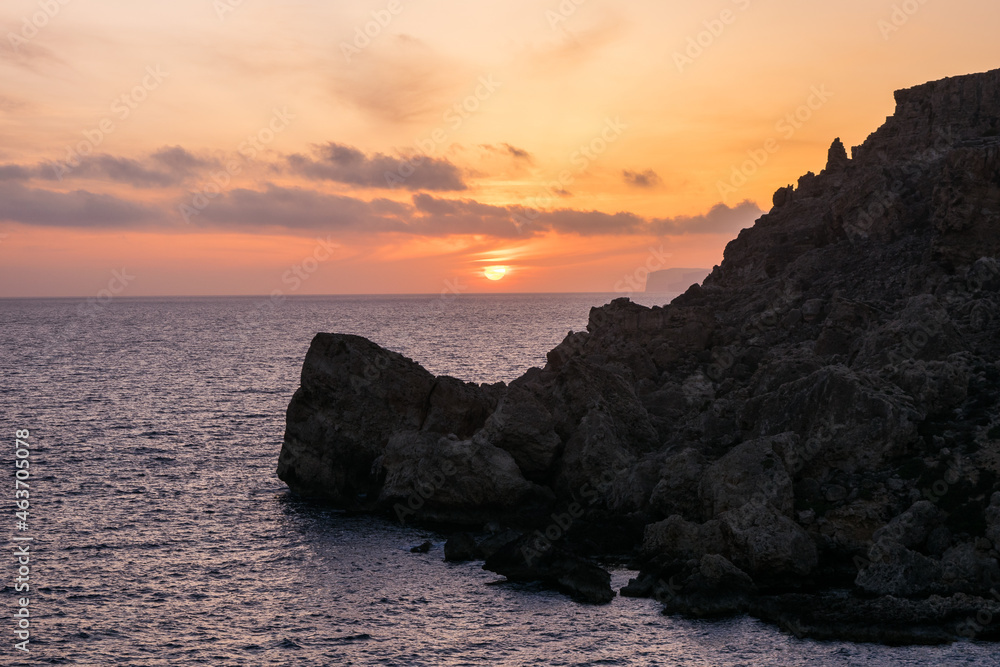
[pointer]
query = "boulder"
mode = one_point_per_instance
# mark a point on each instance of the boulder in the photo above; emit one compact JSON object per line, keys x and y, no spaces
{"x":895,"y":570}
{"x":676,"y":492}
{"x":433,"y":477}
{"x":460,"y":547}
{"x":768,"y":543}
{"x":912,"y":528}
{"x":354,"y":396}
{"x":532,"y":559}
{"x":678,"y":539}
{"x":716,"y":587}
{"x":750,"y":471}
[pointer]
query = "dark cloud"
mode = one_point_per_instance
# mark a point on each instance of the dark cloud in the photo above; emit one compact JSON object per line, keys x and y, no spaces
{"x":181,"y":161}
{"x":165,"y":168}
{"x":592,"y":223}
{"x":721,"y":219}
{"x":643,"y":179}
{"x":518,"y":153}
{"x":276,"y":208}
{"x":120,"y":170}
{"x":433,"y":216}
{"x":72,"y":209}
{"x":509,"y":150}
{"x":439,"y":217}
{"x":345,"y":164}
{"x":296,"y":208}
{"x":15,"y":172}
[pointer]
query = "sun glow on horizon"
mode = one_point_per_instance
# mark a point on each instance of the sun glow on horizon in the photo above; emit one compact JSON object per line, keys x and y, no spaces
{"x":495,"y":272}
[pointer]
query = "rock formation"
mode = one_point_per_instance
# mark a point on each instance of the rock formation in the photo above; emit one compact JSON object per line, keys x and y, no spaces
{"x":811,"y":436}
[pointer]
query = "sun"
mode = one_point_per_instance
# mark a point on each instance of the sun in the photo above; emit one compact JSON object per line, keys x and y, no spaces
{"x":495,"y":272}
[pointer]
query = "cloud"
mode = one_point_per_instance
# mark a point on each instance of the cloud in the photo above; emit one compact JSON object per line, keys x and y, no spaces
{"x":345,"y":164}
{"x":400,"y":79}
{"x":79,"y":208}
{"x":507,"y":149}
{"x":180,"y":160}
{"x":279,"y":208}
{"x":167,"y":167}
{"x":642,"y":179}
{"x":297,"y":208}
{"x":721,"y":219}
{"x":427,"y":215}
{"x":15,"y":172}
{"x":120,"y":170}
{"x":29,"y":55}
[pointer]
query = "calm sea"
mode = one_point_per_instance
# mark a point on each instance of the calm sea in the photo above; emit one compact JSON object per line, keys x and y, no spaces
{"x":161,"y":535}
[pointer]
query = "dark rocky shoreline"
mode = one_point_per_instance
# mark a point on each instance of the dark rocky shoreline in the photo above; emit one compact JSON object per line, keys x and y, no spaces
{"x":811,"y":436}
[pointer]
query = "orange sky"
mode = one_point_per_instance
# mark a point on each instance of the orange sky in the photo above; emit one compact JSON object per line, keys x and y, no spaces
{"x":242,"y":147}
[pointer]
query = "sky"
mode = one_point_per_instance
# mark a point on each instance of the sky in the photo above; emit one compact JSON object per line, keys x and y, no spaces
{"x":223,"y":147}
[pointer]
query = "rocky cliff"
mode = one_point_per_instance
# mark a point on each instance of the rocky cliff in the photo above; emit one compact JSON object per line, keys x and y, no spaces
{"x":811,"y":436}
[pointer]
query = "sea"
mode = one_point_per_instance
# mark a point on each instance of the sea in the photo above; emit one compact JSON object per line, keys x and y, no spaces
{"x":158,"y":533}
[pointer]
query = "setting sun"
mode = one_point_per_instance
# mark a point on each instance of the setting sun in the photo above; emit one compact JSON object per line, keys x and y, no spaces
{"x":495,"y":272}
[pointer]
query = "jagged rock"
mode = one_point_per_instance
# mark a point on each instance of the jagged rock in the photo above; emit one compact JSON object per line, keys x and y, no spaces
{"x":354,"y":397}
{"x":965,"y":569}
{"x":490,"y":545}
{"x":460,"y":547}
{"x":770,"y":544}
{"x":677,"y":539}
{"x":715,"y":588}
{"x":750,"y":471}
{"x":837,"y":156}
{"x":523,"y":426}
{"x":421,"y":548}
{"x":993,"y":521}
{"x":782,"y":196}
{"x":855,"y":328}
{"x":895,"y":570}
{"x":676,"y":492}
{"x":436,"y":477}
{"x":911,"y":528}
{"x":531,"y":558}
{"x":984,"y":275}
{"x":887,"y":620}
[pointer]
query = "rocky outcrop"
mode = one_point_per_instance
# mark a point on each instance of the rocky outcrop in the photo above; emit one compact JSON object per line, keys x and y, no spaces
{"x":532,"y":559}
{"x":354,"y":396}
{"x":812,"y":435}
